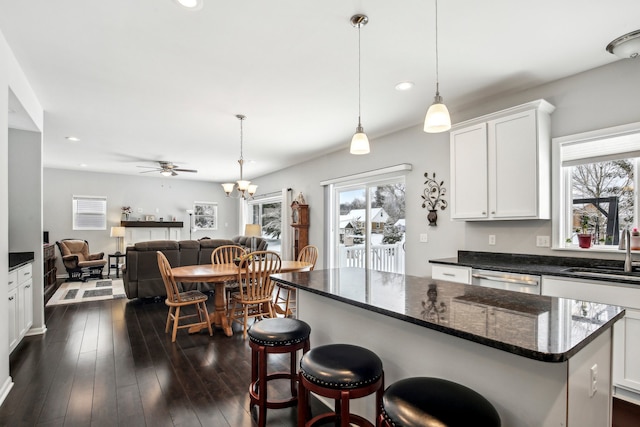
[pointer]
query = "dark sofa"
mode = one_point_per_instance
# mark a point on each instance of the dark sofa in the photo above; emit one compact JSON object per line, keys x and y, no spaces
{"x":141,"y":275}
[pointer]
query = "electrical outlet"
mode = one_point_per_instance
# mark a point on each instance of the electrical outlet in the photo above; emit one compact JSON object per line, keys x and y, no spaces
{"x":593,"y":376}
{"x":424,"y":238}
{"x":543,"y":241}
{"x":492,"y":239}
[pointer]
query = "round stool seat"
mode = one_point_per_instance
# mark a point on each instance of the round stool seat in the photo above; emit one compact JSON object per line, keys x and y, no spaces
{"x":431,"y":402}
{"x":279,"y":332}
{"x":341,"y":366}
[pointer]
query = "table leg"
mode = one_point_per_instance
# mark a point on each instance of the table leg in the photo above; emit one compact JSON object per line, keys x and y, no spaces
{"x":220,"y":311}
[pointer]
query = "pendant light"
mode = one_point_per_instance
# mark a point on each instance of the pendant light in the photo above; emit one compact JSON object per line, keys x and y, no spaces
{"x":437,"y":118}
{"x":246,"y":190}
{"x":359,"y":142}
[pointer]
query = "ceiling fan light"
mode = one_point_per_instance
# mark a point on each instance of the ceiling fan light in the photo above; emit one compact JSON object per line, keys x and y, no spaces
{"x":437,"y":118}
{"x":228,"y":187}
{"x":359,"y":142}
{"x":626,"y":46}
{"x":166,"y":173}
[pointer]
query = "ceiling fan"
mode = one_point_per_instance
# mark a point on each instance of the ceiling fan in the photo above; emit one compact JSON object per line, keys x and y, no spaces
{"x":167,"y":169}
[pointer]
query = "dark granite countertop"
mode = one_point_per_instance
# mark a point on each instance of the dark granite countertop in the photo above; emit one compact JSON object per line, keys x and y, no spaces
{"x":428,"y":302}
{"x":536,"y":264}
{"x":18,"y":259}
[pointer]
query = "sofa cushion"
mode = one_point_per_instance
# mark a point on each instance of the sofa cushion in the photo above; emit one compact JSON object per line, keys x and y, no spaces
{"x":189,"y":252}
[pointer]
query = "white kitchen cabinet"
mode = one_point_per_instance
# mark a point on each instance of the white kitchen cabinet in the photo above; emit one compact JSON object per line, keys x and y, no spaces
{"x":451,"y":273}
{"x":500,"y":165}
{"x":20,"y":307}
{"x":626,"y":332}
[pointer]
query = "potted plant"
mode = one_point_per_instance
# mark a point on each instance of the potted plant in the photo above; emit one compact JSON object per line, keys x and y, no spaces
{"x":584,"y":237}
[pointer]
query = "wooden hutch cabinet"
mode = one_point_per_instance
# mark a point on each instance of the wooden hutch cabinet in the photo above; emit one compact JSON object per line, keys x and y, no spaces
{"x":300,"y":224}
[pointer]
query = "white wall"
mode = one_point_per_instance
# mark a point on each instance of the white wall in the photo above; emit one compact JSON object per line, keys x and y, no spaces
{"x":425,"y":152}
{"x":25,"y":210}
{"x":603,"y":97}
{"x":170,"y":196}
{"x":11,"y":78}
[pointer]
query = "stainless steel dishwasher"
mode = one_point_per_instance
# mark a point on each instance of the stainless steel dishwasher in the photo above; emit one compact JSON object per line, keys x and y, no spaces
{"x":527,"y":283}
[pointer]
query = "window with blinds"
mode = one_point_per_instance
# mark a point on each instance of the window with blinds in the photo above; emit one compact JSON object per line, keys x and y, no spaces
{"x":597,"y":192}
{"x":89,"y":213}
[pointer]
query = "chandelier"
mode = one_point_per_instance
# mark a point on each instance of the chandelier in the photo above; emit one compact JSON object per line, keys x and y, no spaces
{"x":246,"y":190}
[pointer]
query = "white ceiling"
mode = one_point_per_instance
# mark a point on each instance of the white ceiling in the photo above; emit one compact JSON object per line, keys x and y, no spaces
{"x":146,"y":80}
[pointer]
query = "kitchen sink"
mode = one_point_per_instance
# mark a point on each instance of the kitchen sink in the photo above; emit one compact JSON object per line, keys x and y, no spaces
{"x":605,"y":272}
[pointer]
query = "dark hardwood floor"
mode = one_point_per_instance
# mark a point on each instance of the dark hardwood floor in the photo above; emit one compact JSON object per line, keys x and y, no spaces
{"x":110,"y":363}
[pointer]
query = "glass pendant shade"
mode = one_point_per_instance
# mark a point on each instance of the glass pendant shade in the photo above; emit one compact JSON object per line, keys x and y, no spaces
{"x":251,"y":189}
{"x":359,"y":142}
{"x":437,"y":118}
{"x":243,"y":185}
{"x":228,"y":187}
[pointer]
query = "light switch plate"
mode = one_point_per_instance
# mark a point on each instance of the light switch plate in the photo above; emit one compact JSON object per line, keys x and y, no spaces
{"x":543,"y":241}
{"x":424,"y":238}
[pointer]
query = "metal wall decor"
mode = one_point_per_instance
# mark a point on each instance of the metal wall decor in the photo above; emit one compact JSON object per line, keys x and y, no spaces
{"x":432,"y":198}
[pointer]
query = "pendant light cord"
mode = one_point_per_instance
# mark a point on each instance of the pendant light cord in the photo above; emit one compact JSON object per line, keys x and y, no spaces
{"x":359,"y":73}
{"x":437,"y":65}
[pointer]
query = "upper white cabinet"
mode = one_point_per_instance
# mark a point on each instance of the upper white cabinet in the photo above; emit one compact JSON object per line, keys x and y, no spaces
{"x":500,"y":165}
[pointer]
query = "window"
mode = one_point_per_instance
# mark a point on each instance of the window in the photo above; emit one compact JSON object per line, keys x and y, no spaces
{"x":89,"y":213}
{"x":595,"y":188}
{"x":205,"y":216}
{"x":267,"y":212}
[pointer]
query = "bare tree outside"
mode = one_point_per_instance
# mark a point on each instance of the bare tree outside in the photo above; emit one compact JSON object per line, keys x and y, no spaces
{"x":604,"y":191}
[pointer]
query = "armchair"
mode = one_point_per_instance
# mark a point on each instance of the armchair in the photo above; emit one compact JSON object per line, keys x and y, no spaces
{"x":78,"y":261}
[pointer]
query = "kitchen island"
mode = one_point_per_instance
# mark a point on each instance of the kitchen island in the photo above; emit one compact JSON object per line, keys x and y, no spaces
{"x":541,"y":361}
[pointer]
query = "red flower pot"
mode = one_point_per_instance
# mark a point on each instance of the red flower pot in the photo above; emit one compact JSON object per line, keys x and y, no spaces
{"x":584,"y":241}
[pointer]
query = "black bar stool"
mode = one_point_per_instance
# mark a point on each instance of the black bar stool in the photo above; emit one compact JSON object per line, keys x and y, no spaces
{"x":268,"y":336}
{"x":431,"y":402}
{"x":340,"y":372}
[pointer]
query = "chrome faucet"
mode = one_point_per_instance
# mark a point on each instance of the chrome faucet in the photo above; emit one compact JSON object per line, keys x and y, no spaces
{"x":628,"y":265}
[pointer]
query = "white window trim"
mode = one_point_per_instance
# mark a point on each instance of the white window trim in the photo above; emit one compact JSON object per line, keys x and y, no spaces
{"x":560,"y":184}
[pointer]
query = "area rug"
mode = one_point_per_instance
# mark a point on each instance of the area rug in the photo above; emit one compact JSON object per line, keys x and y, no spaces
{"x":92,"y":290}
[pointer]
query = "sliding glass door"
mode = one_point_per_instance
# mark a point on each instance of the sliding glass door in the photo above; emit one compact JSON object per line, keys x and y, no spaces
{"x":369,"y":231}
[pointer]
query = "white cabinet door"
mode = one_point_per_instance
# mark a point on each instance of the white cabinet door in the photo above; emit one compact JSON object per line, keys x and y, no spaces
{"x":469,"y":194}
{"x":626,"y":353}
{"x":12,"y":318}
{"x":25,"y":307}
{"x":513,"y":166}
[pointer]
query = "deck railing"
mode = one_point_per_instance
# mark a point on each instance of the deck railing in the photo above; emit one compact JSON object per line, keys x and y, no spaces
{"x":389,"y":258}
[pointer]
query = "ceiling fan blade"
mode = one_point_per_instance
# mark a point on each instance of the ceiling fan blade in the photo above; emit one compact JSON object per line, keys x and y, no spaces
{"x":173,"y":172}
{"x":152,"y":170}
{"x":149,"y":167}
{"x":185,"y":170}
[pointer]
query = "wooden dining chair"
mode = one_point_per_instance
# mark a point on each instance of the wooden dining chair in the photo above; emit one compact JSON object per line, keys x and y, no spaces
{"x":254,"y":298}
{"x":285,"y":295}
{"x":225,"y":255}
{"x":176,"y":300}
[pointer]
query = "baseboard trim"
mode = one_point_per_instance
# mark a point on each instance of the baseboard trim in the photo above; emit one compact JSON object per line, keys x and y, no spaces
{"x":35,"y":331}
{"x":6,"y":388}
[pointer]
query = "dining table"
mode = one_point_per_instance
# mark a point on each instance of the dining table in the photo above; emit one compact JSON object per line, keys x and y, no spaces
{"x":219,"y":274}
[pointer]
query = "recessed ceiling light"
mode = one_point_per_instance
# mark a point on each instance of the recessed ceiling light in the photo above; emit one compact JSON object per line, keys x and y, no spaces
{"x":83,"y":165}
{"x":404,"y":86}
{"x":72,"y":138}
{"x":190,"y":4}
